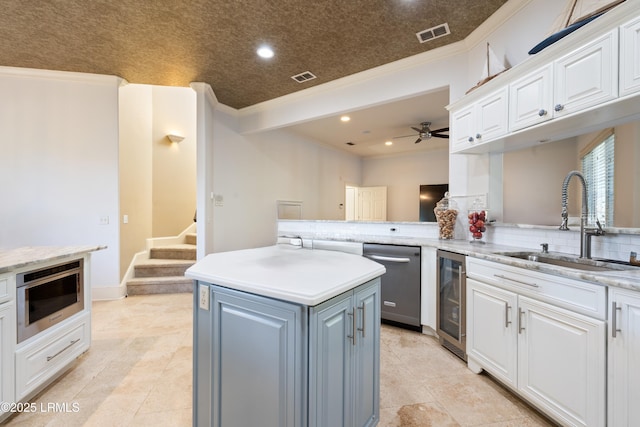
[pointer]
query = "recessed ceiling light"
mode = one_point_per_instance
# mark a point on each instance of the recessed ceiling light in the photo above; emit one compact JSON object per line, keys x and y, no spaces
{"x":345,"y":119}
{"x":388,"y":143}
{"x":265,"y":52}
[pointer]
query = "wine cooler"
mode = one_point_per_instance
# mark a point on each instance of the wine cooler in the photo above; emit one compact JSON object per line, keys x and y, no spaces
{"x":451,"y":302}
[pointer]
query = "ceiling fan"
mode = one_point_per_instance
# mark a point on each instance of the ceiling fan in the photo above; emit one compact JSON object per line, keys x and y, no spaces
{"x":425,"y":132}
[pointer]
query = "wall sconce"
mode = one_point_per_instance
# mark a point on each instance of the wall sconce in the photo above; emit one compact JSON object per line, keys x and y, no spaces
{"x":175,"y":138}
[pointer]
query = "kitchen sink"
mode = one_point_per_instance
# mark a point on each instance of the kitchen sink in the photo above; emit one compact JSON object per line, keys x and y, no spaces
{"x":570,"y":261}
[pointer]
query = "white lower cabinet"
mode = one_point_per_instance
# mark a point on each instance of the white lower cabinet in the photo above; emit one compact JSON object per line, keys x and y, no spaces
{"x":551,"y":356}
{"x":39,"y":361}
{"x":624,"y":366}
{"x":561,"y":362}
{"x":7,"y":348}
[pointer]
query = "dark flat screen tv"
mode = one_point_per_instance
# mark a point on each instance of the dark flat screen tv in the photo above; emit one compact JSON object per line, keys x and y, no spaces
{"x":429,"y":196}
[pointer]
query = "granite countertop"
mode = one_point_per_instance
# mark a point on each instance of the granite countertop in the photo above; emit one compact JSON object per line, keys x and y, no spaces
{"x":627,"y":278}
{"x":13,"y":259}
{"x":286,"y":272}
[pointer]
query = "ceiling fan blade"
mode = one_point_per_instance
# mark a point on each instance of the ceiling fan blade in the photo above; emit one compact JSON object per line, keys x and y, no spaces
{"x":437,"y":135}
{"x":440,"y":130}
{"x":416,"y":129}
{"x":418,"y":140}
{"x":404,"y":136}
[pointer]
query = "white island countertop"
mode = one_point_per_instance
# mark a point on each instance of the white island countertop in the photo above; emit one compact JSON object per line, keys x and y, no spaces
{"x":289,"y":273}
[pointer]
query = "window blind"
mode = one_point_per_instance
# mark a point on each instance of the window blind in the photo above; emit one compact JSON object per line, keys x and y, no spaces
{"x":598,"y":169}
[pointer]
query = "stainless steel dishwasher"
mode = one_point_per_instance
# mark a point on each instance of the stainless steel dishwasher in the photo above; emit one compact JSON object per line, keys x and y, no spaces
{"x":400,"y":285}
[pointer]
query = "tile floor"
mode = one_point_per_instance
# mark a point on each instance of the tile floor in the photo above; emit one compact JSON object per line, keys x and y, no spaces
{"x":138,"y":373}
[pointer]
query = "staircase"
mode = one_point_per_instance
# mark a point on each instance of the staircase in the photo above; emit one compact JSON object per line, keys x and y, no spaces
{"x":163,"y":272}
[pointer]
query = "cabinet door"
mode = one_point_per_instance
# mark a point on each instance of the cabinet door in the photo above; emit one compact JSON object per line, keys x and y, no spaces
{"x":587,"y":76}
{"x":630,"y":57}
{"x":257,"y":365}
{"x":491,"y":330}
{"x":462,"y":129}
{"x":624,"y":348}
{"x":492,"y":116}
{"x":7,"y":343}
{"x":332,"y":328}
{"x":562,"y":362}
{"x":366,"y":382}
{"x":531,"y":99}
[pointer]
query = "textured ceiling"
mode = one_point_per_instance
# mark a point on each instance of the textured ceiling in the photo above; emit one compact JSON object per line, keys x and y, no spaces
{"x":174,"y":43}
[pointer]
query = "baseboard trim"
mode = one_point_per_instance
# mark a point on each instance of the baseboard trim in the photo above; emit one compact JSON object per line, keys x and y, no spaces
{"x":107,"y":293}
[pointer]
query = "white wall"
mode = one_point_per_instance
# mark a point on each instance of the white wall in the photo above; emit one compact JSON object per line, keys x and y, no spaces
{"x":173,"y":164}
{"x":251,"y":172}
{"x":59,"y":163}
{"x":136,"y":178}
{"x":533,"y":183}
{"x":403,"y":175}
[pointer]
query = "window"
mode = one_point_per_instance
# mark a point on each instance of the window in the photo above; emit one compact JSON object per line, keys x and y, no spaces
{"x":597,"y":168}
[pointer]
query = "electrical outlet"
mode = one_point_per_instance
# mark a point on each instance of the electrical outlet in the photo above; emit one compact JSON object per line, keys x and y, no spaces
{"x":104,"y":220}
{"x":203,"y":297}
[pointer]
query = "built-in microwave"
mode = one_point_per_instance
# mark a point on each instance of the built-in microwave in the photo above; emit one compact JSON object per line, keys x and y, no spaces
{"x":47,"y":296}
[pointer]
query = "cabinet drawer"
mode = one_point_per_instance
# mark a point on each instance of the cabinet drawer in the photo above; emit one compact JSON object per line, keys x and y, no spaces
{"x":575,"y":295}
{"x":43,"y":359}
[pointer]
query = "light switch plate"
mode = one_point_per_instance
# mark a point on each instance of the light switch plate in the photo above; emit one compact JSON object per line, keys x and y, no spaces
{"x":203,"y":297}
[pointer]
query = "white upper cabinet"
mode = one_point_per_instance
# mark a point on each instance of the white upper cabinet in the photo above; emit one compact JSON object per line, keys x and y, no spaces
{"x":531,"y":99}
{"x":587,"y":81}
{"x":480,"y":122}
{"x":587,"y":76}
{"x":630,"y":57}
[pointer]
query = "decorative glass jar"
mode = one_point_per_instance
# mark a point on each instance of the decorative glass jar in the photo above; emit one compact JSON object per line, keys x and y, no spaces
{"x":478,"y":220}
{"x":446,"y":211}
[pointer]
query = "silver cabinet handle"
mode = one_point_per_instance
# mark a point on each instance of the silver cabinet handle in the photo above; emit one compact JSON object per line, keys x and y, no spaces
{"x":614,"y":319}
{"x":389,"y":258}
{"x":478,"y":136}
{"x":353,"y":326}
{"x":364,"y":318}
{"x":520,"y":327}
{"x":470,"y":139}
{"x":542,"y":112}
{"x":500,"y":276}
{"x":559,"y":107}
{"x":507,"y":307}
{"x":50,"y":358}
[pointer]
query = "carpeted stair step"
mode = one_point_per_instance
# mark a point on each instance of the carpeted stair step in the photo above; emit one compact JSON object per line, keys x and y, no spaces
{"x":162,"y":267}
{"x":159,"y":285}
{"x":190,"y":238}
{"x":183,"y":252}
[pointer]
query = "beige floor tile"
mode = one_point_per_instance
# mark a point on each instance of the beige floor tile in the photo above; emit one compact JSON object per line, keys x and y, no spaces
{"x":138,"y":372}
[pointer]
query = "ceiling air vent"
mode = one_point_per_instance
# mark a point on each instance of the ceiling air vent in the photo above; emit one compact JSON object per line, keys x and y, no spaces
{"x":303,"y":77}
{"x":433,"y":33}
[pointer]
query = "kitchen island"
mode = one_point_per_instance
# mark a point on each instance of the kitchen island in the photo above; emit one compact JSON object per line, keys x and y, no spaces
{"x":286,"y":336}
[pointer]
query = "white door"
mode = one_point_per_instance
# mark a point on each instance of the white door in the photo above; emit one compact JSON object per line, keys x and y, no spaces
{"x":624,"y":348}
{"x":372,"y":203}
{"x":562,"y":364}
{"x":491,"y":330}
{"x":350,"y":203}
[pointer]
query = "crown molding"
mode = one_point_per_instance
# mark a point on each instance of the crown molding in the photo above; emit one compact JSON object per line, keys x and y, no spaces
{"x":33,"y":73}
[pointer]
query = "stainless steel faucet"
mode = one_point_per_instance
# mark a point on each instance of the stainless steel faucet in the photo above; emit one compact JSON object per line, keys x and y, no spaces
{"x":585,"y":233}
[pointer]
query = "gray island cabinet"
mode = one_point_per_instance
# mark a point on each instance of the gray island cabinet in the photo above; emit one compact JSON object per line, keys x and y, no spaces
{"x":285,"y":336}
